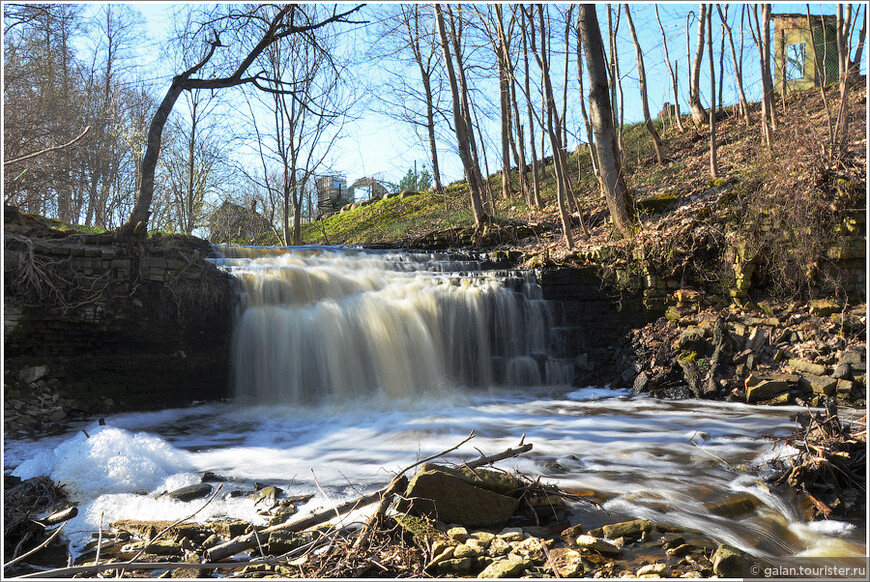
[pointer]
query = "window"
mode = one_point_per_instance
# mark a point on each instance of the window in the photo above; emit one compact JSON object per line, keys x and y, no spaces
{"x":795,"y":56}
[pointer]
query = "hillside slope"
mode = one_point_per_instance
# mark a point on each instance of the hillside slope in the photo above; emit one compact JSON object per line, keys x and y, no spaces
{"x":788,"y":209}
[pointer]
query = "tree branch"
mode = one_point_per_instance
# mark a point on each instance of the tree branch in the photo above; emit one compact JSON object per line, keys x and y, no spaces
{"x":46,"y":150}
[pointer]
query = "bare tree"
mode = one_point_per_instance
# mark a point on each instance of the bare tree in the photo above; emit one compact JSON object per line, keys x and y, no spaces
{"x":714,"y":166}
{"x":699,"y":114}
{"x":462,"y":120}
{"x":759,"y":26}
{"x":553,"y":126}
{"x":536,"y":193}
{"x":612,"y":182}
{"x":278,"y":22}
{"x":641,"y":79}
{"x":737,"y":61}
{"x":671,"y":72}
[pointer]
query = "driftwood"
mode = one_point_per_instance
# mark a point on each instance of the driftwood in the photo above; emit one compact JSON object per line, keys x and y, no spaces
{"x":384,"y":495}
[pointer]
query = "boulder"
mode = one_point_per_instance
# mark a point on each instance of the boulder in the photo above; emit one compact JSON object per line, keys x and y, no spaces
{"x":760,"y":388}
{"x":818,"y":384}
{"x":729,"y":562}
{"x":808,"y":367}
{"x":32,"y":374}
{"x":512,"y":567}
{"x":191,"y":492}
{"x":630,"y":530}
{"x":567,"y":562}
{"x":446,"y":495}
{"x":603,"y":547}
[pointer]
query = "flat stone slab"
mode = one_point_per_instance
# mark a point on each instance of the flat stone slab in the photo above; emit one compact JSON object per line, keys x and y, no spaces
{"x":446,"y":495}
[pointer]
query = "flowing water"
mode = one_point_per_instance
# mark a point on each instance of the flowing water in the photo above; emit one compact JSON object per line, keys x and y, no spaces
{"x":351,"y":365}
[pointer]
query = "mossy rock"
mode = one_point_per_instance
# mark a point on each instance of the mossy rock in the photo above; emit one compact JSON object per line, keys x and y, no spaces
{"x":658,"y":203}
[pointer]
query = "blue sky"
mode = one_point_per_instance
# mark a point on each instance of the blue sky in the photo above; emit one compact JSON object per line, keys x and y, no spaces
{"x":381,"y":146}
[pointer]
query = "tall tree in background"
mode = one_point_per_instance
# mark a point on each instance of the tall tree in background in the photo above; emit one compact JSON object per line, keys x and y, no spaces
{"x":714,"y":165}
{"x":524,"y":27}
{"x":759,"y":26}
{"x":462,"y":121}
{"x":737,"y":61}
{"x":612,"y":182}
{"x":671,"y":72}
{"x":699,"y":114}
{"x":553,"y":123}
{"x":277,"y":22}
{"x":424,"y":47}
{"x":641,"y":79}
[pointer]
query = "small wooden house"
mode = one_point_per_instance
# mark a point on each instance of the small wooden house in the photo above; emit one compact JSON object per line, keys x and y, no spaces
{"x":794,"y":58}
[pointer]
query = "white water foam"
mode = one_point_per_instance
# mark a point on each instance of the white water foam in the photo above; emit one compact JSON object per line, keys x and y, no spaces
{"x":637,"y":453}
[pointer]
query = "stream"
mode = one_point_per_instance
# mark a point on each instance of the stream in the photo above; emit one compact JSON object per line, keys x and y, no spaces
{"x":350,"y":365}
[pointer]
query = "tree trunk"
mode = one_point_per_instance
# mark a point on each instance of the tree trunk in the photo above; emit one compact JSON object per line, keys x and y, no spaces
{"x":738,"y":64}
{"x":535,"y":183}
{"x":138,"y":221}
{"x":714,"y":166}
{"x":503,"y":60}
{"x":699,"y":114}
{"x":612,"y":182}
{"x":461,"y":126}
{"x":676,"y":106}
{"x":590,"y":137}
{"x":641,"y":79}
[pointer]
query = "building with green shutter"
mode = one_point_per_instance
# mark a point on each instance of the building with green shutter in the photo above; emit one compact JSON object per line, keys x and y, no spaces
{"x":795,"y":59}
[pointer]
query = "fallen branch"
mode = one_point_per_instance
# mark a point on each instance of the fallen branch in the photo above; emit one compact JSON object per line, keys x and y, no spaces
{"x":247,"y":541}
{"x":36,"y":549}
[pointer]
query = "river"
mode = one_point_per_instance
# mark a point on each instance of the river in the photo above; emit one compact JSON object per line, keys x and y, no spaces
{"x":351,"y":365}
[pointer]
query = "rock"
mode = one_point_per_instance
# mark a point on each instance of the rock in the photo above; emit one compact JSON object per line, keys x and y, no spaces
{"x":266,"y":496}
{"x":842,"y":371}
{"x":652,"y":570}
{"x":455,"y":566}
{"x":824,"y":307}
{"x":32,"y":374}
{"x":458,"y":534}
{"x":512,"y":567}
{"x":444,"y":494}
{"x":512,"y":534}
{"x":734,"y":507}
{"x":818,"y":384}
{"x":758,"y":338}
{"x":765,"y":387}
{"x":567,"y":562}
{"x":729,"y":562}
{"x":681,"y":550}
{"x":484,"y":538}
{"x":844,"y":389}
{"x":597,"y":545}
{"x":497,"y":481}
{"x":572,"y":532}
{"x":805,"y":366}
{"x":640,"y":383}
{"x":191,"y":492}
{"x":209,"y":477}
{"x":468,"y":550}
{"x":854,"y":359}
{"x":531,"y":548}
{"x":498,"y":547}
{"x":692,"y":340}
{"x":630,"y":530}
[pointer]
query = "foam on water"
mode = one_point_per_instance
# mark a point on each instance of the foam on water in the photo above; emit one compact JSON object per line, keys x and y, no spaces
{"x":637,"y":453}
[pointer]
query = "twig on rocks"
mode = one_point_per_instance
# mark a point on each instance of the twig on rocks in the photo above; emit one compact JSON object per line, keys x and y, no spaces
{"x":36,"y":549}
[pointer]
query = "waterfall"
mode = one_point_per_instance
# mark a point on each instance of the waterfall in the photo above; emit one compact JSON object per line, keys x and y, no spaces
{"x":321,"y":322}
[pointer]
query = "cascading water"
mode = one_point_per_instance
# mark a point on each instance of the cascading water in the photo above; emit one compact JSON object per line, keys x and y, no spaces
{"x":322,"y":323}
{"x":354,"y":364}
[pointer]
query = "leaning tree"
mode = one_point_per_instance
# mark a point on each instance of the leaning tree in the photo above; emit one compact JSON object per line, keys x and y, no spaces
{"x":256,"y":28}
